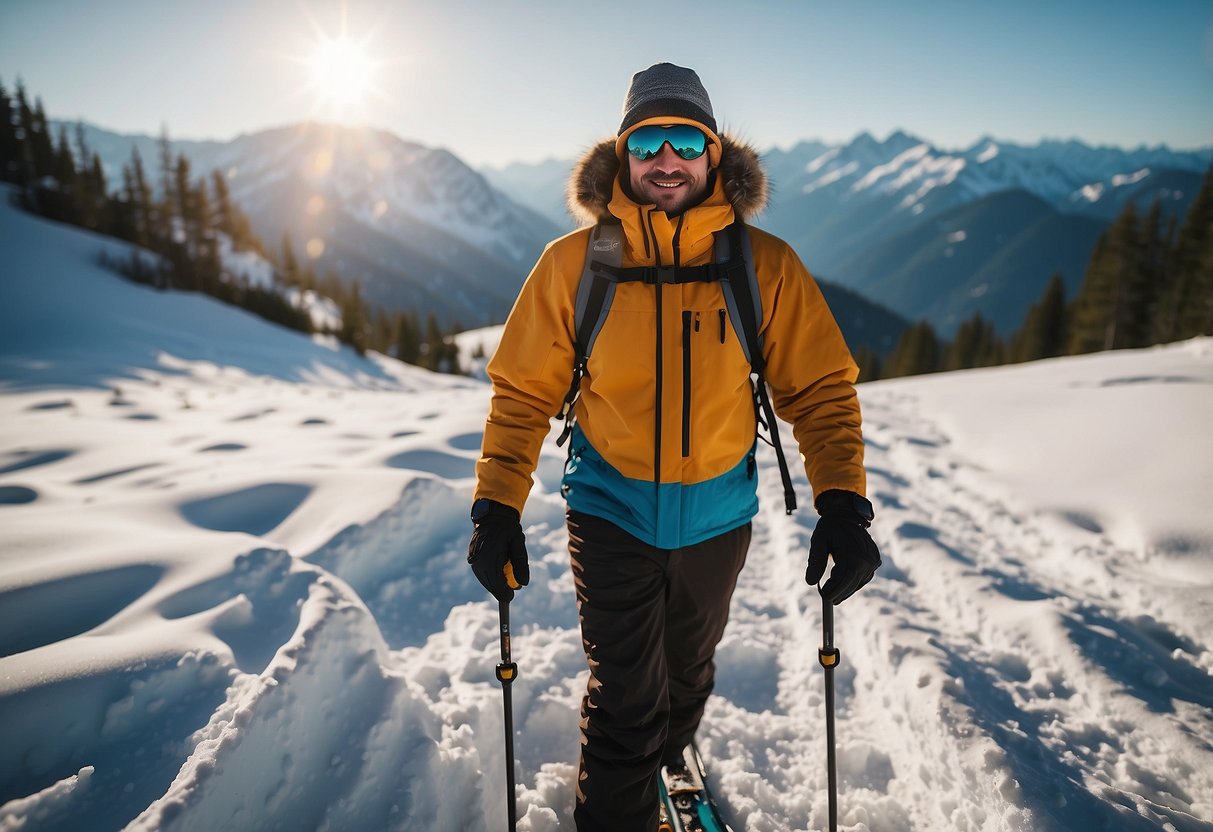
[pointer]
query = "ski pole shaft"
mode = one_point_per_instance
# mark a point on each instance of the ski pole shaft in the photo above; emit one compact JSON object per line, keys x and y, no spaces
{"x":507,"y":671}
{"x":829,"y":657}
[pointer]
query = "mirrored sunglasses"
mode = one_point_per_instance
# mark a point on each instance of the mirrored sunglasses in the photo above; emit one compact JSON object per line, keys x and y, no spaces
{"x":687,"y":141}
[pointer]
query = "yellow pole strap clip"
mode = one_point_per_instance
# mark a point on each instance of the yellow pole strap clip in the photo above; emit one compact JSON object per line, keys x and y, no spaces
{"x":828,"y":658}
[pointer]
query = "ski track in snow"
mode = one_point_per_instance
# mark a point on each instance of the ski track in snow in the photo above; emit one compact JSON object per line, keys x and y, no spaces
{"x":233,"y":599}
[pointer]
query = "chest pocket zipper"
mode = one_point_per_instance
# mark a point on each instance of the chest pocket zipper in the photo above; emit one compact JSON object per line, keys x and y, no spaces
{"x":686,"y":381}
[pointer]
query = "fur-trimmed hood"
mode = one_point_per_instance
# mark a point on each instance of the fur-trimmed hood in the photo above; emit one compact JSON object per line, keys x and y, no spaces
{"x":591,"y":185}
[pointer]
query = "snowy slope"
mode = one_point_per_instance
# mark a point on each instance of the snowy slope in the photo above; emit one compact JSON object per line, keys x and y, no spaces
{"x":233,"y":592}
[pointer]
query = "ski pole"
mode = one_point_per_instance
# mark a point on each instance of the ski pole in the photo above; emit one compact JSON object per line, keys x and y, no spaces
{"x":507,"y":671}
{"x":829,"y":657}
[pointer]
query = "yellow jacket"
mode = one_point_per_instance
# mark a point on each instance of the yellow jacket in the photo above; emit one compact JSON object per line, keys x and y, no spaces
{"x":665,"y":430}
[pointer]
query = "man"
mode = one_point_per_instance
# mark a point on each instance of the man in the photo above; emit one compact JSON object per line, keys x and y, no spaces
{"x":660,"y":478}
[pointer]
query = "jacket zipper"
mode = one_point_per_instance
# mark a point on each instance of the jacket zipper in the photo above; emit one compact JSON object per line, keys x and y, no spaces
{"x":644,"y":234}
{"x":686,"y":384}
{"x":686,"y":348}
{"x":722,"y":317}
{"x":657,"y":404}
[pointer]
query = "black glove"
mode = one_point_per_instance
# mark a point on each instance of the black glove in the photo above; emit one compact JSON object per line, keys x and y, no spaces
{"x":497,"y":550}
{"x":842,"y":532}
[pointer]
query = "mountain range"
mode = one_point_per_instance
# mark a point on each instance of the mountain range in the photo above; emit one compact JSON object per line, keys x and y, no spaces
{"x":940,"y":235}
{"x":414,"y":224}
{"x":895,"y":230}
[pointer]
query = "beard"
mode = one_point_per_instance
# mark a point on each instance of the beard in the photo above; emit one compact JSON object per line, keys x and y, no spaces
{"x":672,"y":193}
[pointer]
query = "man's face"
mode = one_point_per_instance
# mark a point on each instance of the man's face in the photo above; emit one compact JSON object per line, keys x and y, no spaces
{"x":669,"y":181}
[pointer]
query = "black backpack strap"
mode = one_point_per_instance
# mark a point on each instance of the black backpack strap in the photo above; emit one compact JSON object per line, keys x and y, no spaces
{"x":653,"y":275}
{"x":740,"y":286}
{"x":595,"y":292}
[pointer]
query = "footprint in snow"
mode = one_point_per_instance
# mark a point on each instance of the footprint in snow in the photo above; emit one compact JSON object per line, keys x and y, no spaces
{"x":466,"y":441}
{"x":440,"y":464}
{"x":55,"y":610}
{"x":118,"y":472}
{"x":55,"y":404}
{"x":256,"y":510}
{"x":25,"y":459}
{"x":14,"y":495}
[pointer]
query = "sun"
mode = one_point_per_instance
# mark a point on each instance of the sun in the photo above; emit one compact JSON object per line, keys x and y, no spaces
{"x":341,"y":74}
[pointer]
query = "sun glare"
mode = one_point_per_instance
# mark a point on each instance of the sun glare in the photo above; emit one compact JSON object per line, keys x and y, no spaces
{"x":342,"y":74}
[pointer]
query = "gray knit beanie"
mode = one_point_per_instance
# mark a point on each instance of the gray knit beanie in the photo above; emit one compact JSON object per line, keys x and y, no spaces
{"x":667,"y":90}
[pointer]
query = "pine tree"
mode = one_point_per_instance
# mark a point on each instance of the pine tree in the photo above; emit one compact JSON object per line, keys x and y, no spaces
{"x":869,"y":364}
{"x":354,"y":319}
{"x":1111,"y":310}
{"x":64,"y":170}
{"x":290,"y":264}
{"x":917,"y":352}
{"x":225,"y":212}
{"x":205,"y":242}
{"x":1044,"y":333}
{"x":408,"y":337}
{"x":10,"y":146}
{"x":183,"y":206}
{"x":100,"y":190}
{"x":439,"y":352}
{"x":54,"y":194}
{"x":1166,"y":311}
{"x":1154,"y":265}
{"x":307,"y":280}
{"x":1194,"y":266}
{"x":27,"y":171}
{"x":88,"y":199}
{"x":142,"y":204}
{"x":976,"y":345}
{"x":166,"y":206}
{"x":382,"y":331}
{"x":121,"y":222}
{"x":39,"y":138}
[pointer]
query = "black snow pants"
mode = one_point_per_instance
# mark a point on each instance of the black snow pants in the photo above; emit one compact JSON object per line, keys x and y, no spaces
{"x":650,"y":622}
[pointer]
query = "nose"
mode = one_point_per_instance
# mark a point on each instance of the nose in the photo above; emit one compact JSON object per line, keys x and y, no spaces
{"x":666,"y":154}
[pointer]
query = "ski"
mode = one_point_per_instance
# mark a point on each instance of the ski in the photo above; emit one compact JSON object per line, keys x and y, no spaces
{"x":687,"y":799}
{"x":664,"y":824}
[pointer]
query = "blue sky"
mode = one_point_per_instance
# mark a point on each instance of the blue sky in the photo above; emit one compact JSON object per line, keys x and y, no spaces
{"x":502,"y":81}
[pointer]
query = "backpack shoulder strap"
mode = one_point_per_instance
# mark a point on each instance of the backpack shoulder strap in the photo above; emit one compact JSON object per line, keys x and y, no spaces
{"x":739,"y":283}
{"x":741,"y":295}
{"x":595,"y":292}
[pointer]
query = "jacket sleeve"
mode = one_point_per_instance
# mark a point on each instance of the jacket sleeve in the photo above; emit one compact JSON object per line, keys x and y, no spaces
{"x":810,"y":370}
{"x":530,"y":373}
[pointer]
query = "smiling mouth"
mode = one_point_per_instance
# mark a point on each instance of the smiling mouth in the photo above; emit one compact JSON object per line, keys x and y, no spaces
{"x":668,"y":183}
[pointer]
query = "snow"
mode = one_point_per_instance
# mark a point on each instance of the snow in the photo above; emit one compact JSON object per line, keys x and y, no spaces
{"x":481,"y":341}
{"x":233,"y":591}
{"x":1062,"y":173}
{"x":1130,"y":178}
{"x":832,"y":176}
{"x":1091,"y":193}
{"x":990,"y":152}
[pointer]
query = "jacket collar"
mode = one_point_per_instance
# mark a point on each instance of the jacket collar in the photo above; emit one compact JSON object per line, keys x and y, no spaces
{"x":652,"y":235}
